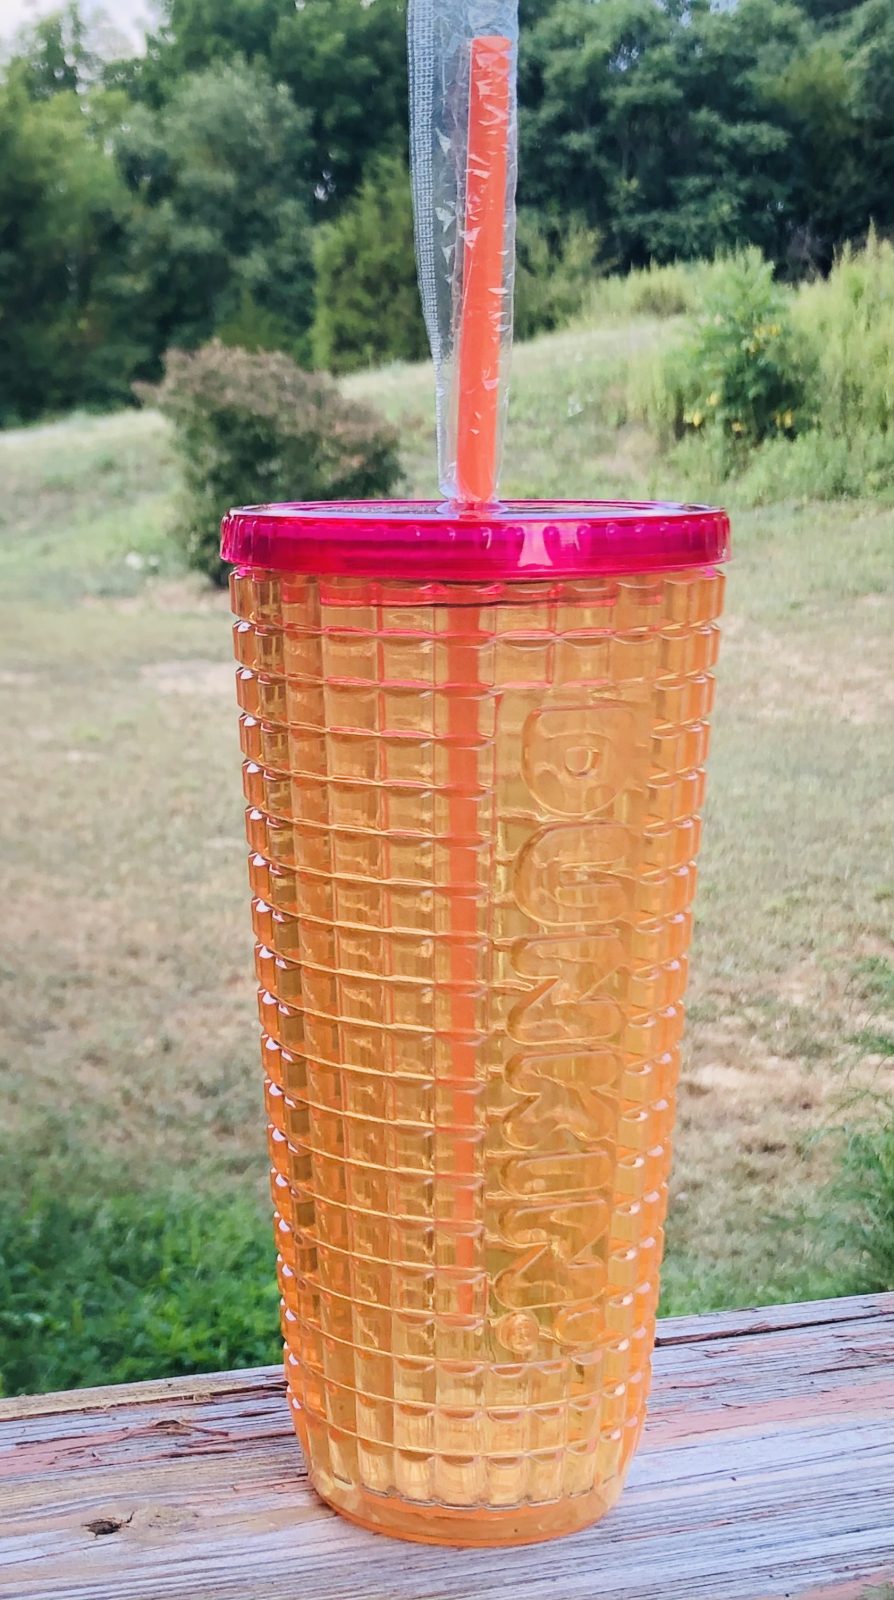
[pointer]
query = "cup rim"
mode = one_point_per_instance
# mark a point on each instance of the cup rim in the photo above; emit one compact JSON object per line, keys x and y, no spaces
{"x":520,"y":539}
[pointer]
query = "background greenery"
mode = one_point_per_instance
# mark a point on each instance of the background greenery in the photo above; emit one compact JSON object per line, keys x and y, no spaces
{"x":246,"y":177}
{"x":252,"y":426}
{"x":134,"y":1219}
{"x":708,"y":291}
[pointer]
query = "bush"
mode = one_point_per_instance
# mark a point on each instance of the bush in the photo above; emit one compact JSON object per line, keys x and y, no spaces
{"x":253,"y":427}
{"x":744,"y":372}
{"x":367,"y":302}
{"x":848,"y":320}
{"x":554,"y":269}
{"x":675,"y":290}
{"x":789,"y":393}
{"x":819,"y":466}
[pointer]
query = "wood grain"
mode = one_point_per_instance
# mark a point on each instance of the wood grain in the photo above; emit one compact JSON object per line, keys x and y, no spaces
{"x":767,"y":1469}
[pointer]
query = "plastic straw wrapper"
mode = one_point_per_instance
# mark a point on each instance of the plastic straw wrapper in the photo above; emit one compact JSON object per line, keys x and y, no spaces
{"x":463,"y":143}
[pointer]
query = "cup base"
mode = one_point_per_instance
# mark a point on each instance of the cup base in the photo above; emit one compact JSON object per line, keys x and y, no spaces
{"x":472,"y":1527}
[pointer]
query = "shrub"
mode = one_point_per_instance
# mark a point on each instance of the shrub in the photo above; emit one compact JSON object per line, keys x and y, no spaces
{"x":848,"y":320}
{"x":367,"y":300}
{"x":554,"y":269}
{"x":744,"y":371}
{"x":792,"y":394}
{"x":674,"y":290}
{"x":251,"y":426}
{"x":819,"y":466}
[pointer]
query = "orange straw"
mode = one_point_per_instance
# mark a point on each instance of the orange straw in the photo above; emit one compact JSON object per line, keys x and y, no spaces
{"x":481,"y":315}
{"x":463,"y":763}
{"x":482,"y":308}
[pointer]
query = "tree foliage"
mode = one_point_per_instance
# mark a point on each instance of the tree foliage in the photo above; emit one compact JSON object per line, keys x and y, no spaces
{"x":368,"y":307}
{"x":65,"y":304}
{"x":219,"y":179}
{"x":554,"y":268}
{"x":343,"y":62}
{"x":245,"y":176}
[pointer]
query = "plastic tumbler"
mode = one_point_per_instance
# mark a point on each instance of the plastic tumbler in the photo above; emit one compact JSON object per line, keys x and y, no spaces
{"x":474,"y":762}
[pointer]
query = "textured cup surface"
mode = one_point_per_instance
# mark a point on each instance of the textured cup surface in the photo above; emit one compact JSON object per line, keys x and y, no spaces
{"x":473,"y":815}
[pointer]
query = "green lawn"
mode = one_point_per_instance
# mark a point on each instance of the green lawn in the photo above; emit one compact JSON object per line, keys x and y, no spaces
{"x":133,"y":1236}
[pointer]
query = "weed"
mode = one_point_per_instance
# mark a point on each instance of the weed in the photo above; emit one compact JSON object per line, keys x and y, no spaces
{"x":874,"y":1043}
{"x":849,"y":321}
{"x":675,"y":290}
{"x":874,"y":977}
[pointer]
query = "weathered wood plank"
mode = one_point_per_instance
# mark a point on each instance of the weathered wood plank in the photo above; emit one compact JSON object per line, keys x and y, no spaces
{"x":770,"y":1319}
{"x":672,"y":1330}
{"x":200,"y":1385}
{"x":767,"y":1470}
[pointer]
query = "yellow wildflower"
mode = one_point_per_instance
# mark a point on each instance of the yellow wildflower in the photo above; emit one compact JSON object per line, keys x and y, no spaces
{"x":714,"y":399}
{"x":738,"y":427}
{"x":697,"y":419}
{"x":789,"y":419}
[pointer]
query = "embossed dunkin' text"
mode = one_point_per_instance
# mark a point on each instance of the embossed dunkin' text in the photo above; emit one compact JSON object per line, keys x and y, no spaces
{"x":587,"y":767}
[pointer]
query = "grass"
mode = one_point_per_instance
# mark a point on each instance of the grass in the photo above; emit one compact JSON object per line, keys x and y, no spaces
{"x":568,"y":389}
{"x":139,"y":1243}
{"x":859,"y":1217}
{"x":86,"y":507}
{"x":132,"y":1284}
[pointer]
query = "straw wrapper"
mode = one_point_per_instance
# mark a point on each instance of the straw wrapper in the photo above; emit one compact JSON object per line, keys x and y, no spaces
{"x":463,"y":140}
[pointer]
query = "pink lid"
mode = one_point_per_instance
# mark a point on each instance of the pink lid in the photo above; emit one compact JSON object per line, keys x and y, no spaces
{"x":519,"y":539}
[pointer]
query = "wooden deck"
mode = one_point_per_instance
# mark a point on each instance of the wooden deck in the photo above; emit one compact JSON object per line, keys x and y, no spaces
{"x":767,"y":1469}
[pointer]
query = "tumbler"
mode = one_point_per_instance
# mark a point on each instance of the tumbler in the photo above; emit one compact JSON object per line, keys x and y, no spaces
{"x":474,"y":763}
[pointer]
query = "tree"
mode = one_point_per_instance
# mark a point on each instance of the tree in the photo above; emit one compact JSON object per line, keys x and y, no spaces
{"x":196,"y":33}
{"x":826,"y":196}
{"x":651,"y":119}
{"x":67,"y":330}
{"x":193,"y":35}
{"x":870,"y":37}
{"x":221,"y":229}
{"x":345,"y":62}
{"x":830,"y":11}
{"x":368,"y":306}
{"x":55,"y":55}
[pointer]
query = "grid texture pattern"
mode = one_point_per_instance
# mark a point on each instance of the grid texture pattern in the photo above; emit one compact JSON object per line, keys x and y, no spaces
{"x":473,"y":818}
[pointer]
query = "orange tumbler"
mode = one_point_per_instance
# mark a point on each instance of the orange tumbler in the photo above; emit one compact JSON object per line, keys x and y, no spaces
{"x":474,"y":764}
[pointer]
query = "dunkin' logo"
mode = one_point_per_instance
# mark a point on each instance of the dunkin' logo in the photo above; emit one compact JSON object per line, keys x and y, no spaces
{"x":575,"y":876}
